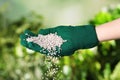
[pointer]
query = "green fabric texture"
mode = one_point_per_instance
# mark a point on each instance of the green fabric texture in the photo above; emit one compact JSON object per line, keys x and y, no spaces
{"x":78,"y":37}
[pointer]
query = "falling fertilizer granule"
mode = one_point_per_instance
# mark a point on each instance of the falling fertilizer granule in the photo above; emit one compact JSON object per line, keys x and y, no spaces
{"x":52,"y":44}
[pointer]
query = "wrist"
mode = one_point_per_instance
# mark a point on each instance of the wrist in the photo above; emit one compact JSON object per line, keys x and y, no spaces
{"x":108,"y":31}
{"x":99,"y":33}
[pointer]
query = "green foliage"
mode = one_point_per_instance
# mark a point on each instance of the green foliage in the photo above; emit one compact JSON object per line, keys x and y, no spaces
{"x":16,"y":62}
{"x":19,"y":63}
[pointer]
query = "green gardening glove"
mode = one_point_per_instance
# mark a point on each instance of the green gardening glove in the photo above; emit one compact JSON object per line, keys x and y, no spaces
{"x":78,"y":37}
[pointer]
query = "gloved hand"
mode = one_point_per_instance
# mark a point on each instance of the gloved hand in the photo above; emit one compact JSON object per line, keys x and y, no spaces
{"x":78,"y":37}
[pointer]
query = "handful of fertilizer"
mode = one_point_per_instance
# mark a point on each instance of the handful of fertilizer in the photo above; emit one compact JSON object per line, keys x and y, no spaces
{"x":50,"y":43}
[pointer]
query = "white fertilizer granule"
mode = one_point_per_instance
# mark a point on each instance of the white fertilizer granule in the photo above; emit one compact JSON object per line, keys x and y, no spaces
{"x":48,"y":42}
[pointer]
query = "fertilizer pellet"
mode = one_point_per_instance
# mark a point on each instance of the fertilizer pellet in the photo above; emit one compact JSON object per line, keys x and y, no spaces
{"x":52,"y":44}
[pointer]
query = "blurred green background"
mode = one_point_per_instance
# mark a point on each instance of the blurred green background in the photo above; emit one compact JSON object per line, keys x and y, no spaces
{"x":19,"y":63}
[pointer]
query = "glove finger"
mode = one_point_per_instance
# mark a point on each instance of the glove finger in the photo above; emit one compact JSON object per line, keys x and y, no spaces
{"x":44,"y":31}
{"x":26,"y":34}
{"x":36,"y":48}
{"x":23,"y":41}
{"x":29,"y":33}
{"x":23,"y":36}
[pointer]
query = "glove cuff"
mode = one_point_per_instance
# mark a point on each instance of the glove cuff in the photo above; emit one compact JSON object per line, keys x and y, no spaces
{"x":86,"y":36}
{"x":92,"y":36}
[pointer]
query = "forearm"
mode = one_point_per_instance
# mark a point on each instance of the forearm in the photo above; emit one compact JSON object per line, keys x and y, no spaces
{"x":109,"y":31}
